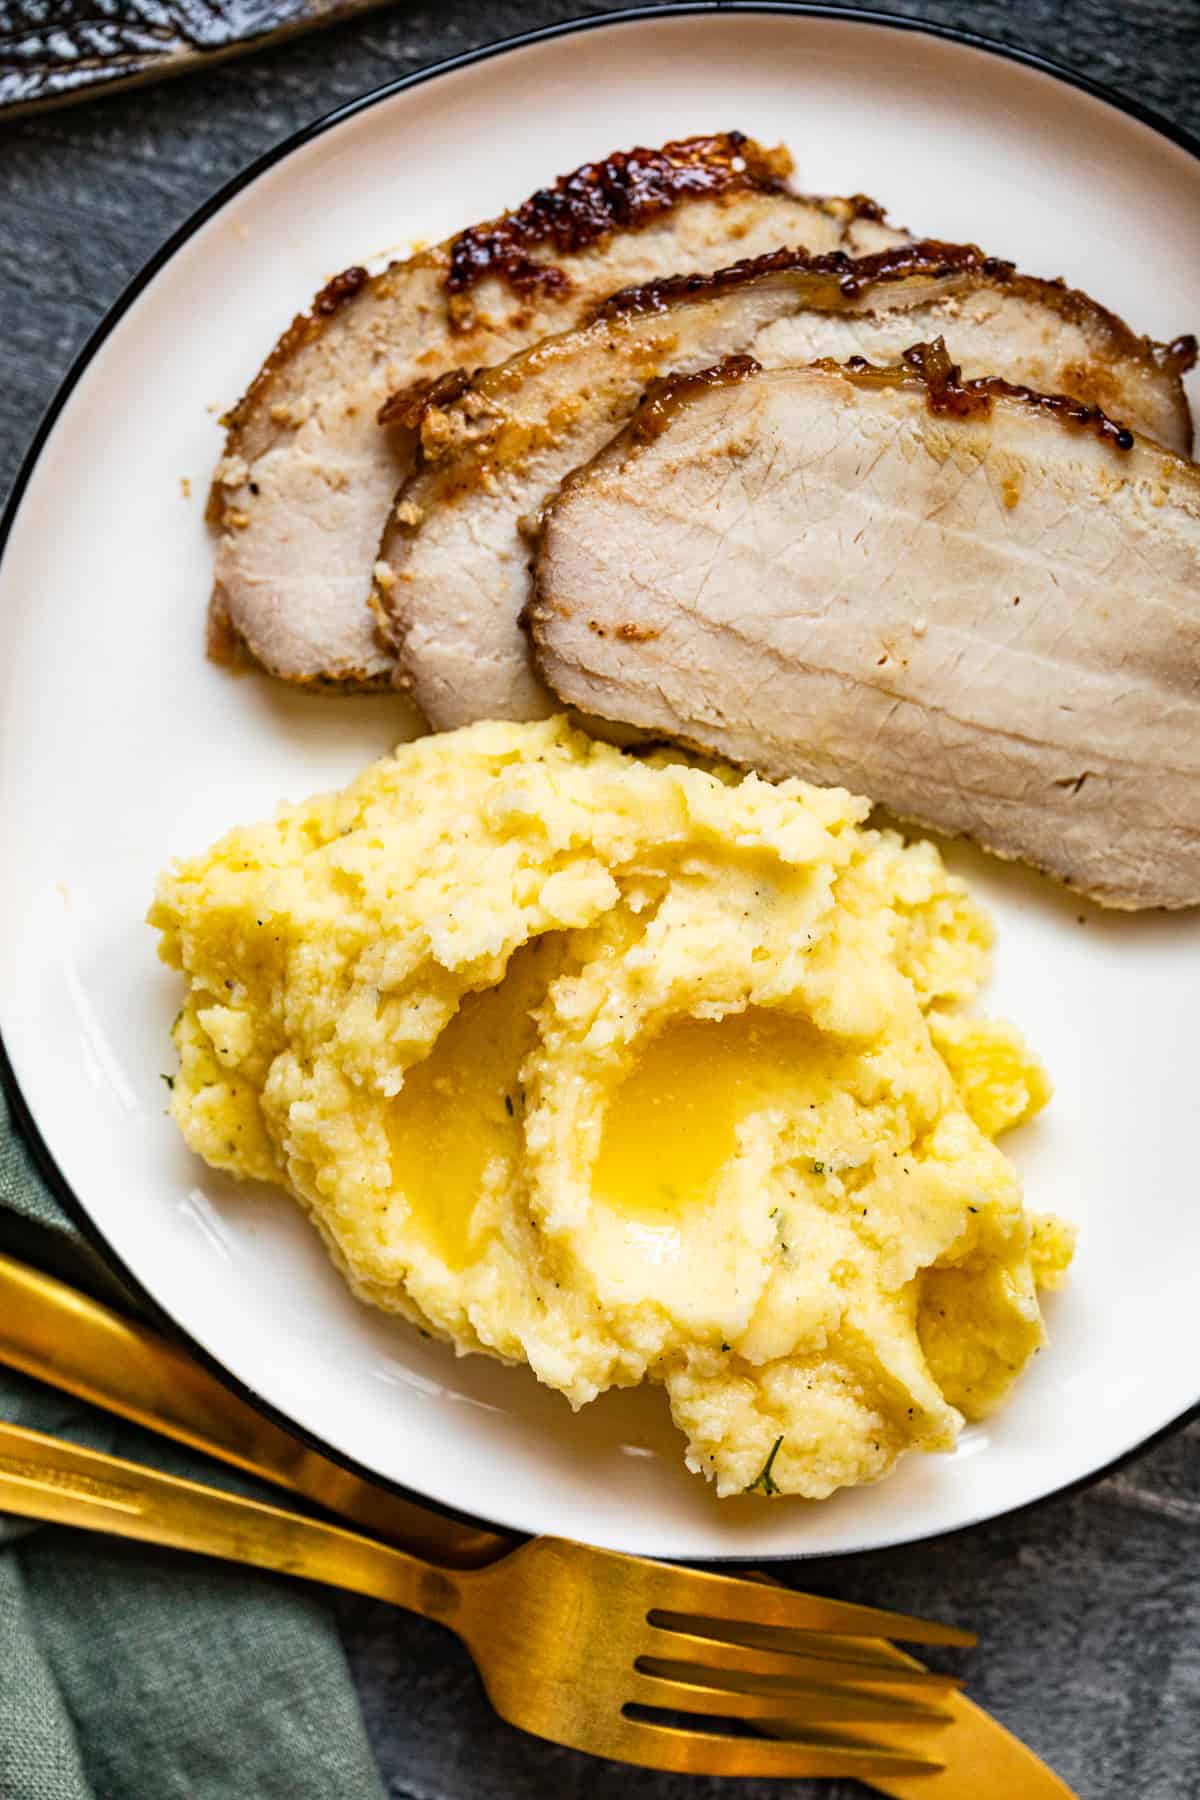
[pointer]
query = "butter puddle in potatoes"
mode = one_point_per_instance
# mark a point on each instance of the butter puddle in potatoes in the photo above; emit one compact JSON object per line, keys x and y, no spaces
{"x":630,"y":1069}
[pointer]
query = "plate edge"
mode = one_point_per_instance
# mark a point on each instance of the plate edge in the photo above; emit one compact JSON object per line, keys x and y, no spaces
{"x":22,"y":1115}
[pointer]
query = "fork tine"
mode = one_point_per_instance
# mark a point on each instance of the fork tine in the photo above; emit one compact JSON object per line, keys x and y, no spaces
{"x":697,"y":1595}
{"x":791,"y":1666}
{"x":656,"y":1746}
{"x":869,"y":1653}
{"x":682,"y":1688}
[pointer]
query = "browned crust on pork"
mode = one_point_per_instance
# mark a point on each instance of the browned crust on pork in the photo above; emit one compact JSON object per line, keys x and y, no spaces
{"x":625,"y":191}
{"x":851,"y":277}
{"x":1179,"y":356}
{"x":856,"y":206}
{"x":408,"y":406}
{"x":930,"y":367}
{"x":664,"y":397}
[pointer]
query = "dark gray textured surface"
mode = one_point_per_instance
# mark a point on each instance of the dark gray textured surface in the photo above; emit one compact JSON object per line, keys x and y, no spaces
{"x":1089,"y":1607}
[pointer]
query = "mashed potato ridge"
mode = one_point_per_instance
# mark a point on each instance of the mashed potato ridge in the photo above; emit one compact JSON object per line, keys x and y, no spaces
{"x":630,"y":1068}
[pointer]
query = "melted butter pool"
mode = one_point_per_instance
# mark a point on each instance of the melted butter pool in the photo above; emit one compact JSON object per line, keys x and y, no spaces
{"x":671,"y":1127}
{"x":461,"y":1107}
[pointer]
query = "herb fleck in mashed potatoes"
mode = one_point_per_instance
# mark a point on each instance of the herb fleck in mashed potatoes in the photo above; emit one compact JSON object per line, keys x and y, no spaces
{"x":627,"y":1069}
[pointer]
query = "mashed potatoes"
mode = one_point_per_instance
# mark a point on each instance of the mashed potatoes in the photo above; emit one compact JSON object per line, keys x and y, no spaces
{"x":627,"y":1069}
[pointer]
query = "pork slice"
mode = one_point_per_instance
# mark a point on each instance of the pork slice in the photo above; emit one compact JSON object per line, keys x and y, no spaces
{"x":453,"y":568}
{"x":307,"y":476}
{"x":979,"y":606}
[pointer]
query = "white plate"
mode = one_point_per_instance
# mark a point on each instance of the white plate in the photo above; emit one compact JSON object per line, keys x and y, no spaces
{"x":122,"y":746}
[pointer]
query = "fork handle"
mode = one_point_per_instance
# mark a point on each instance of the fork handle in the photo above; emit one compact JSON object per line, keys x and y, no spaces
{"x":56,"y":1334}
{"x":61,"y":1483}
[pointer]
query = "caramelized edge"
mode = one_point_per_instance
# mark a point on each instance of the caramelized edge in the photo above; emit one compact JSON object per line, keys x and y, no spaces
{"x":623,"y":192}
{"x":666,"y":396}
{"x":407,"y":406}
{"x":929,"y":366}
{"x":925,"y":367}
{"x":849,"y":277}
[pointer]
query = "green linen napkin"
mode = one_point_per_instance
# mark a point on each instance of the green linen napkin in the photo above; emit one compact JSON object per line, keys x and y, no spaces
{"x":132,"y":1673}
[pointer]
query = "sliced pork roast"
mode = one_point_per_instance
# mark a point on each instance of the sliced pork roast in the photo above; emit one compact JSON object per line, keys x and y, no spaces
{"x":978,"y":605}
{"x":304,"y":486}
{"x":453,"y":575}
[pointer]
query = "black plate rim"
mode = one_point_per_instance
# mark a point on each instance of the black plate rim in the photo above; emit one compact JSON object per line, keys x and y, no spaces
{"x":22,"y":1114}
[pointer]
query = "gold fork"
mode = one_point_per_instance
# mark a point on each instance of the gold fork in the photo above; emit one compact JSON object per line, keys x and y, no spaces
{"x":57,"y":1334}
{"x":573,"y":1644}
{"x":53,"y":1332}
